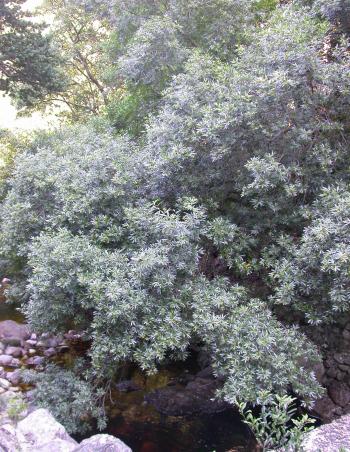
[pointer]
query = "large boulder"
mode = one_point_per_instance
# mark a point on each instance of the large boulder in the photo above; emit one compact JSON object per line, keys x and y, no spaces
{"x":331,"y":437}
{"x":39,"y":429}
{"x":102,"y":443}
{"x":56,"y":445}
{"x":8,"y":439}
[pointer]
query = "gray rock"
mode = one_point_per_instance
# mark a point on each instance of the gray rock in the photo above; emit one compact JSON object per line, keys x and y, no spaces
{"x":41,"y":428}
{"x":14,"y":377}
{"x":8,"y":439}
{"x":50,"y":352}
{"x":342,"y":358}
{"x":15,"y":363}
{"x":35,"y":361}
{"x":330,"y":437}
{"x":5,"y":360}
{"x":31,"y":342}
{"x":198,"y":397}
{"x":339,"y":392}
{"x":16,"y":352}
{"x":102,"y":443}
{"x":4,"y":383}
{"x":325,"y":408}
{"x":56,"y":445}
{"x":127,"y":386}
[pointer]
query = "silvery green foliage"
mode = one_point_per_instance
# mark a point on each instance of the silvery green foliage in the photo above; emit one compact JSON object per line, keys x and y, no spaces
{"x":66,"y":180}
{"x":125,"y":272}
{"x":337,"y":11}
{"x":154,"y":53}
{"x":71,"y":398}
{"x":314,"y":276}
{"x":156,"y":37}
{"x":279,"y":98}
{"x":241,"y":332}
{"x":111,"y":241}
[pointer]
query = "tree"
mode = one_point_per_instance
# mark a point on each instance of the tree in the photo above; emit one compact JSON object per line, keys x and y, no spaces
{"x":28,"y":63}
{"x":191,"y":227}
{"x":80,"y":41}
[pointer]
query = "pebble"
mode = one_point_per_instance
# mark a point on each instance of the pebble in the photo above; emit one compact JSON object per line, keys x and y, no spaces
{"x":32,"y":342}
{"x":38,"y":360}
{"x":50,"y":352}
{"x":41,"y":344}
{"x":33,"y":337}
{"x":4,"y":383}
{"x":14,"y":363}
{"x":31,"y":351}
{"x":2,"y":390}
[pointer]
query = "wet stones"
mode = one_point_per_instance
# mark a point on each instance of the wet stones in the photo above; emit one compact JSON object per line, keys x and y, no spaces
{"x":198,"y":396}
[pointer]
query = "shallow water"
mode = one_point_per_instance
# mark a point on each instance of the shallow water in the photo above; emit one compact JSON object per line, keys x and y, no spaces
{"x":218,"y":432}
{"x":142,"y":428}
{"x":9,"y":311}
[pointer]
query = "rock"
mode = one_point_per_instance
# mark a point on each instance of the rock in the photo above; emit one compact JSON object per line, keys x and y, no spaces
{"x":197,"y":397}
{"x":35,"y":361}
{"x":339,"y":392}
{"x":56,"y":445}
{"x":15,"y":363}
{"x":41,"y":344}
{"x":325,"y":408}
{"x":4,"y":383}
{"x":319,"y":372}
{"x":127,"y":386}
{"x":12,"y":329}
{"x":16,"y":352}
{"x":14,"y":377}
{"x":31,"y":342}
{"x":102,"y":443}
{"x":38,"y":360}
{"x":50,"y":352}
{"x":207,"y":372}
{"x":8,"y":439}
{"x":342,"y":358}
{"x":31,"y":351}
{"x":5,"y":360}
{"x":41,"y":428}
{"x":330,"y":437}
{"x":33,"y":337}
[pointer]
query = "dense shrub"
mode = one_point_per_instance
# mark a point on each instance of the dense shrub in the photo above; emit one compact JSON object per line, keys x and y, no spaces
{"x":221,"y":191}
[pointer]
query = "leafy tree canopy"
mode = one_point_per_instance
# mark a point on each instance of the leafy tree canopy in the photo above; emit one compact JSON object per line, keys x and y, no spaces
{"x":28,"y":63}
{"x":212,"y":190}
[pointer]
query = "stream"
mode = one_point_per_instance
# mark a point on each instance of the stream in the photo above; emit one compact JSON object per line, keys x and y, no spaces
{"x":136,"y":421}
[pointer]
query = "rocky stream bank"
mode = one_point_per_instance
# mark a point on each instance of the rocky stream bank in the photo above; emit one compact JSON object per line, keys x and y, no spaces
{"x":178,"y":405}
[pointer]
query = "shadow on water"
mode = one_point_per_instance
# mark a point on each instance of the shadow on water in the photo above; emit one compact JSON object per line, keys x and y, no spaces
{"x":9,"y":311}
{"x":144,"y":429}
{"x":221,"y":432}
